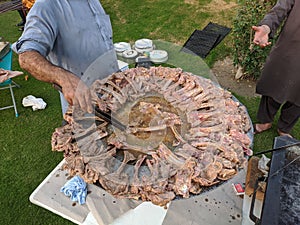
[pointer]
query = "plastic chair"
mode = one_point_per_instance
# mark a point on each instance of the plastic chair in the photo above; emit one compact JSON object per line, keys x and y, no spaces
{"x":6,"y":63}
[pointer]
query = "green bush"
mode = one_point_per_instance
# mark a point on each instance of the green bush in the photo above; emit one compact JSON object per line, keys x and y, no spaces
{"x":249,"y":57}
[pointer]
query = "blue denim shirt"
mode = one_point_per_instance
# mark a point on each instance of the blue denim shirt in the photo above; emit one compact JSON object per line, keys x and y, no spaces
{"x":69,"y":33}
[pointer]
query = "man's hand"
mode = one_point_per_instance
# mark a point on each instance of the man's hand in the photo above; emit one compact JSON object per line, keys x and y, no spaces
{"x":76,"y":93}
{"x":261,"y":36}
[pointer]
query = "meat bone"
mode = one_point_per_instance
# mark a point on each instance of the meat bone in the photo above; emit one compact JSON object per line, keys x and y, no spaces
{"x":103,"y":115}
{"x":7,"y":74}
{"x":122,"y":127}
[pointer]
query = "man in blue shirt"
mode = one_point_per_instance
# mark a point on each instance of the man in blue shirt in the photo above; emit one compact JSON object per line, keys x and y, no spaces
{"x":60,"y":40}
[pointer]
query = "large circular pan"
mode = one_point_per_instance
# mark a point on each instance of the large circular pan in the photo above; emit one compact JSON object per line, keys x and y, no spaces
{"x":184,"y":134}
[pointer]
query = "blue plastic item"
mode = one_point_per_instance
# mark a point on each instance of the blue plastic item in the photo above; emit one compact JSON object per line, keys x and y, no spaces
{"x":6,"y":63}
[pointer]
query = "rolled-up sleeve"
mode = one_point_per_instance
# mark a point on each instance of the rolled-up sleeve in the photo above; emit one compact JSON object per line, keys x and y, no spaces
{"x":277,"y":15}
{"x":40,"y":31}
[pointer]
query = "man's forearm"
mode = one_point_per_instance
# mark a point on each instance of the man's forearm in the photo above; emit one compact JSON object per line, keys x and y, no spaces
{"x":41,"y":68}
{"x":74,"y":91}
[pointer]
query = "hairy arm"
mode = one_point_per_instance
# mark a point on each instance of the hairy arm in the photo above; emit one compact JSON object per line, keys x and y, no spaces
{"x":74,"y":91}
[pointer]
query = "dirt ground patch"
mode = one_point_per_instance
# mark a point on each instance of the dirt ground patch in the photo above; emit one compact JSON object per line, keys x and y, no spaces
{"x":225,"y":71}
{"x":219,"y":5}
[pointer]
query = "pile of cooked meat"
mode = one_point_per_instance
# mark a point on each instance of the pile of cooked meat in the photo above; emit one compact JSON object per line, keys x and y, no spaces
{"x":184,"y":134}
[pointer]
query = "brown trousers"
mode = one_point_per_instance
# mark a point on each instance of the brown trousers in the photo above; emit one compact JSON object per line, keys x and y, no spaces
{"x":289,"y":113}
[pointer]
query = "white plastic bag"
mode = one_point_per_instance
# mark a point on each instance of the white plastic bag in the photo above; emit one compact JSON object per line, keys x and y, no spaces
{"x":36,"y":103}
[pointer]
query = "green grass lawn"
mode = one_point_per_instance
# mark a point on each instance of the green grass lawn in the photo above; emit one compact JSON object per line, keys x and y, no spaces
{"x":26,"y":156}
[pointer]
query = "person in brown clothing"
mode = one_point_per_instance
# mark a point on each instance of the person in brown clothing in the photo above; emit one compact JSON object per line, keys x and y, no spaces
{"x":279,"y":83}
{"x":27,"y":4}
{"x":23,"y":17}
